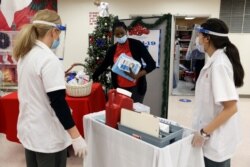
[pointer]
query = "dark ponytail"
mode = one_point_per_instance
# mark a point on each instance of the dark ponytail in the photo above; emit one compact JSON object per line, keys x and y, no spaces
{"x":234,"y":57}
{"x":217,"y":25}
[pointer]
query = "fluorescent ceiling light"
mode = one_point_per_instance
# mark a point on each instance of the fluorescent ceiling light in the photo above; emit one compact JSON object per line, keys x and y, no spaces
{"x":189,"y":18}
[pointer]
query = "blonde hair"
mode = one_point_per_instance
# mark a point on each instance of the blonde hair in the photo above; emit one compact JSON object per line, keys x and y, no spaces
{"x":28,"y":35}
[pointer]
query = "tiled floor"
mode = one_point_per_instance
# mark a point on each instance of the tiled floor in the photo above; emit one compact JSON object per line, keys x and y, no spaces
{"x":183,"y":89}
{"x":182,"y":113}
{"x":12,"y":154}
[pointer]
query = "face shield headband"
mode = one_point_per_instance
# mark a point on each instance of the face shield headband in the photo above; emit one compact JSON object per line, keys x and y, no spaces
{"x":202,"y":30}
{"x":58,"y":26}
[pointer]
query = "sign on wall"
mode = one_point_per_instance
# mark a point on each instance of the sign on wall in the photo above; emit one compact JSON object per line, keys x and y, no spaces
{"x":151,"y":40}
{"x":93,"y":18}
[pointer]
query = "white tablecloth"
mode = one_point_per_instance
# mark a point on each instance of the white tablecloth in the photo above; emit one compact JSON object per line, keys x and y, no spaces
{"x":108,"y":147}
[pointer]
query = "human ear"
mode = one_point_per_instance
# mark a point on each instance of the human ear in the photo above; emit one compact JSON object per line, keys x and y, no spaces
{"x":55,"y":33}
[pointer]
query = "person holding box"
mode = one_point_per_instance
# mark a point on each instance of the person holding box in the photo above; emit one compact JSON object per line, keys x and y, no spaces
{"x":136,"y":50}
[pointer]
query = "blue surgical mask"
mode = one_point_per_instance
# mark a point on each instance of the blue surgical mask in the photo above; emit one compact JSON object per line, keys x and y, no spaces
{"x":122,"y":40}
{"x":55,"y":43}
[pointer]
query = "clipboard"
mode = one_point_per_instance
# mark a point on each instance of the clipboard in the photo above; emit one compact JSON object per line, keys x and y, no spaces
{"x":142,"y":122}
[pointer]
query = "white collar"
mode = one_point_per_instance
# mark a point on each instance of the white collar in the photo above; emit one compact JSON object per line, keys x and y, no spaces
{"x":44,"y":46}
{"x":214,"y":56}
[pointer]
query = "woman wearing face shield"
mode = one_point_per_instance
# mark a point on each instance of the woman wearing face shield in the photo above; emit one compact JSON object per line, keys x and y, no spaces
{"x":45,"y":126}
{"x":137,"y":51}
{"x":215,"y":116}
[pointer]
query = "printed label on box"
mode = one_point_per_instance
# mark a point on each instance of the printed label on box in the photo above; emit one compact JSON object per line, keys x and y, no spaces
{"x":124,"y":64}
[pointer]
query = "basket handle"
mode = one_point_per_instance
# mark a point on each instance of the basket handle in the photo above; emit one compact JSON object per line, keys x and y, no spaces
{"x":73,"y":65}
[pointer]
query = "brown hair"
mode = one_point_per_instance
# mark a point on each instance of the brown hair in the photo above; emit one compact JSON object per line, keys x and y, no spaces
{"x":28,"y":35}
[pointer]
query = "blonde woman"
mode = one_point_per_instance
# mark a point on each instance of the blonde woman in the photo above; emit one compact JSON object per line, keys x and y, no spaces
{"x":45,"y":125}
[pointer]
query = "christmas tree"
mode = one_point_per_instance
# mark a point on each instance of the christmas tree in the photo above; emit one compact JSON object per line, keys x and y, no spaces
{"x":99,"y":42}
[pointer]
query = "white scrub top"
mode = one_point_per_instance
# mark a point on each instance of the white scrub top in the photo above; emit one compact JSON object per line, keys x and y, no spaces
{"x":38,"y":127}
{"x":215,"y":85}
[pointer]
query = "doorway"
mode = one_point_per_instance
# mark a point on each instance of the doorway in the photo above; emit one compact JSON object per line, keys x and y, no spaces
{"x":184,"y":66}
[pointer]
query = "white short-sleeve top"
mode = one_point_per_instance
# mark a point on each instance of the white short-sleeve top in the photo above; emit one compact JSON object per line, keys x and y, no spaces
{"x":215,"y":85}
{"x":38,"y":127}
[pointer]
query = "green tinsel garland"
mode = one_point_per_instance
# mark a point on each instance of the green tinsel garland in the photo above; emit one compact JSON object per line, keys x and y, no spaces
{"x":165,"y":84}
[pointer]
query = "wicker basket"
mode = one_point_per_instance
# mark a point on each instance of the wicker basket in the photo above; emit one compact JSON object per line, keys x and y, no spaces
{"x":79,"y":90}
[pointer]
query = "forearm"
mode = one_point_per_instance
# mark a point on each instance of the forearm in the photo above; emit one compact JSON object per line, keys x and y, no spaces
{"x":73,"y":132}
{"x":61,"y":108}
{"x":229,"y":110}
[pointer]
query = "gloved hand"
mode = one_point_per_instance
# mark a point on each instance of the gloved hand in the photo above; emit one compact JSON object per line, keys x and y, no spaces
{"x":198,"y":140}
{"x":79,"y":146}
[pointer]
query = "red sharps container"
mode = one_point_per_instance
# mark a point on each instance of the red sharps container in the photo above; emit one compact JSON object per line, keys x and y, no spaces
{"x":117,"y":99}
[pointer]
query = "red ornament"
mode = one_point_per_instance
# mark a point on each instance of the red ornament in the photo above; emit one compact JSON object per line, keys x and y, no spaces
{"x":91,"y":40}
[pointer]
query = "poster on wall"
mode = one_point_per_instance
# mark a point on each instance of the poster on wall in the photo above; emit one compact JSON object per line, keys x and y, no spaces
{"x":150,"y":38}
{"x":13,"y":15}
{"x":93,"y":18}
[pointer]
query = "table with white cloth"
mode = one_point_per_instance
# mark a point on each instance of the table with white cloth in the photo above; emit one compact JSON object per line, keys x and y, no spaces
{"x":108,"y":147}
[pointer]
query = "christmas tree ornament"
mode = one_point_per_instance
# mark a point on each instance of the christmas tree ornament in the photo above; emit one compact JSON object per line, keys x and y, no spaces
{"x":100,"y":42}
{"x":103,"y":9}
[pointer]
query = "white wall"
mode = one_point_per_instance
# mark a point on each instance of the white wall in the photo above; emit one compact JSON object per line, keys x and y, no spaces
{"x":242,"y":42}
{"x":75,"y":14}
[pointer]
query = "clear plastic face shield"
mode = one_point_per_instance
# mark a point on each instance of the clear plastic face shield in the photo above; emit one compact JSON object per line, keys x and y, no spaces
{"x":202,"y":30}
{"x":194,"y":43}
{"x":59,"y":50}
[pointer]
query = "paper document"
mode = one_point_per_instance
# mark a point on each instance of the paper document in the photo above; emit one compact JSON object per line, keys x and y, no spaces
{"x":142,"y":122}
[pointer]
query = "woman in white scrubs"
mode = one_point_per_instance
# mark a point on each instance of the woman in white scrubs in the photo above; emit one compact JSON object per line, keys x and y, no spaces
{"x":215,"y":116}
{"x":45,"y":126}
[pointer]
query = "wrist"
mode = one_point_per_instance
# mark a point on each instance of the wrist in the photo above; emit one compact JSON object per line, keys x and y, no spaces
{"x":204,"y":134}
{"x":73,"y":132}
{"x":77,"y":138}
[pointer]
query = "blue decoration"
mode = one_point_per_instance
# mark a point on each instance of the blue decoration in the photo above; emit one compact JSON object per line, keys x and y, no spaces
{"x":100,"y":42}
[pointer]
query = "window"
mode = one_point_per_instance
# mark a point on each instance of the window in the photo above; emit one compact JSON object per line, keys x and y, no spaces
{"x":236,"y":14}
